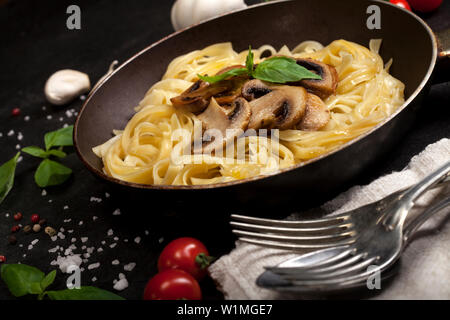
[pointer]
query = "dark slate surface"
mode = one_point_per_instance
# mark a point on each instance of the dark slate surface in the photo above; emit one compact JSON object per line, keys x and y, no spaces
{"x":34,"y":44}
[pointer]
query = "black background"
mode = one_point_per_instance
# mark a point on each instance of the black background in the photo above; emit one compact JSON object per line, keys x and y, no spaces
{"x":34,"y":43}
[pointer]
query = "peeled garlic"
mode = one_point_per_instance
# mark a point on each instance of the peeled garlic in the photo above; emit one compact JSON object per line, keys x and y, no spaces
{"x":65,"y":85}
{"x":188,"y":12}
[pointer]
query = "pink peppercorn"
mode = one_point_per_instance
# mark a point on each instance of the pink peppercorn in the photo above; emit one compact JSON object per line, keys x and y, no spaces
{"x":15,"y":112}
{"x":35,"y":218}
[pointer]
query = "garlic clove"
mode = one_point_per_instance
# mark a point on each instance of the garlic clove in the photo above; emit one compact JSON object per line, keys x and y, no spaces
{"x":65,"y":85}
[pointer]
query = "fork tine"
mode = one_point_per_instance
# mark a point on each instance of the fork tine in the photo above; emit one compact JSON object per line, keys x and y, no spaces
{"x":294,"y":246}
{"x":315,"y":271}
{"x":322,"y":279}
{"x":289,"y":229}
{"x":325,"y":262}
{"x":284,"y":238}
{"x":290,"y":223}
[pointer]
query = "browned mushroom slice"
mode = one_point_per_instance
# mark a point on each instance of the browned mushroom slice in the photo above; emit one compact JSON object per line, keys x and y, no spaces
{"x":196,"y":98}
{"x":254,"y":89}
{"x":316,"y":115}
{"x":282,"y":108}
{"x":325,"y":87}
{"x":218,"y":118}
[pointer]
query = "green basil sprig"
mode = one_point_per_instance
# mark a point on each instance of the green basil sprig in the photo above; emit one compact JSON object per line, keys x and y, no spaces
{"x":7,"y":171}
{"x":50,"y":172}
{"x":23,"y":280}
{"x":275,"y":69}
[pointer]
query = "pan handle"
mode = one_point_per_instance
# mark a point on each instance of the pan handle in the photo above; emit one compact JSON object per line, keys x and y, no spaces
{"x":442,"y":70}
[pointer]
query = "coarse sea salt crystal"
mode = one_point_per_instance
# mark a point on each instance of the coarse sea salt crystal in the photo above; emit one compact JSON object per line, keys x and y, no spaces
{"x":80,"y":223}
{"x":53,"y":249}
{"x":19,"y":136}
{"x":65,"y":263}
{"x":115,"y":262}
{"x":44,"y":192}
{"x":93,"y":266}
{"x":34,"y":241}
{"x":84,"y":239}
{"x":10,"y":133}
{"x":73,"y":240}
{"x":94,"y":279}
{"x":129,"y":267}
{"x":107,"y":194}
{"x":120,"y":285}
{"x":116,"y":212}
{"x":113,"y":245}
{"x":95,"y":199}
{"x":100,"y":250}
{"x":94,"y":218}
{"x":137,"y":240}
{"x":66,"y":207}
{"x":110,"y":232}
{"x":26,"y":118}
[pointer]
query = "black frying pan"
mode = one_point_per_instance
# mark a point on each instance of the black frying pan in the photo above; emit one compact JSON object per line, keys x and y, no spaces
{"x":406,"y":39}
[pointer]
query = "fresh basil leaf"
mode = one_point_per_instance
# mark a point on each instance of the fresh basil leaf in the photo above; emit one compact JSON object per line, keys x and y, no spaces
{"x":59,"y":138}
{"x":22,"y":279}
{"x":48,"y":280}
{"x":223,"y":76}
{"x":249,"y":61}
{"x":7,"y":171}
{"x":84,"y":293}
{"x":36,"y":152}
{"x":51,"y":173}
{"x":282,"y":70}
{"x":57,"y":153}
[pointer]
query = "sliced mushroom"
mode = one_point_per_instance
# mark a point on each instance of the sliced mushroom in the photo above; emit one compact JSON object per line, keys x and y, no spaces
{"x":316,"y":115}
{"x":197,"y":97}
{"x":325,"y":87}
{"x":255,"y":89}
{"x":282,"y":108}
{"x":218,"y":118}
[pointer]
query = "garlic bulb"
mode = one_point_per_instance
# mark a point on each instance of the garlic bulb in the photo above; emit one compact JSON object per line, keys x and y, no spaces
{"x":65,"y":85}
{"x":188,"y":12}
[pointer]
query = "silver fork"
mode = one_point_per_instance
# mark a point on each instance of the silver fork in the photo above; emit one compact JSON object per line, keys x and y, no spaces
{"x":380,"y":246}
{"x":328,"y":232}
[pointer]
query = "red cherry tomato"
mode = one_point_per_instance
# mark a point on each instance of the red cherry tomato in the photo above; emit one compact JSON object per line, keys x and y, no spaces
{"x":172,"y":284}
{"x":187,"y":254}
{"x":425,"y":5}
{"x":401,"y":3}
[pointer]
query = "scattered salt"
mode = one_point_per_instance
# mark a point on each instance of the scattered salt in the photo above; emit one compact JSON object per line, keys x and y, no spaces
{"x":120,"y":285}
{"x":110,"y":232}
{"x":115,"y":262}
{"x":137,"y":240}
{"x":116,"y":212}
{"x":44,"y":192}
{"x":129,"y":267}
{"x":93,"y":266}
{"x":84,"y":239}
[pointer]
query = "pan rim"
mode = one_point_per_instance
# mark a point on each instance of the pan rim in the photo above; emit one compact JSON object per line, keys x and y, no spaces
{"x":221,"y":185}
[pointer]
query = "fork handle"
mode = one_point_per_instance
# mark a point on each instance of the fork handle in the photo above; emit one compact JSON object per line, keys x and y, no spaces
{"x":405,"y":204}
{"x":424,"y":216}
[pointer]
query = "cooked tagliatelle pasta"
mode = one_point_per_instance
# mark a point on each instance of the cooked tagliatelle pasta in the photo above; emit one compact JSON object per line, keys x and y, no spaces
{"x":145,"y":150}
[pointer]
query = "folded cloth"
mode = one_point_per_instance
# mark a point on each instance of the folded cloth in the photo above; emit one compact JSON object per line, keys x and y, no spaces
{"x":424,"y":272}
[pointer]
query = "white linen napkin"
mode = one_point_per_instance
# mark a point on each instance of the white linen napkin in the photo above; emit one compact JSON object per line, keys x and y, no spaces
{"x":425,"y":268}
